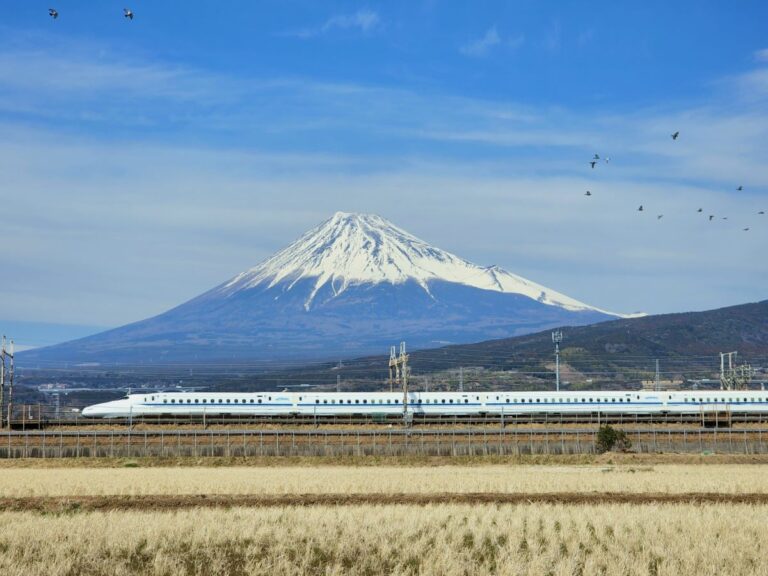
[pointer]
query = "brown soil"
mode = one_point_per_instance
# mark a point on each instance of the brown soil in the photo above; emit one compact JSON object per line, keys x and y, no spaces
{"x":165,"y":502}
{"x":630,"y":458}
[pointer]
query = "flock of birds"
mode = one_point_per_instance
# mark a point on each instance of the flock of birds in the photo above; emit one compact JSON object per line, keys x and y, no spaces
{"x":127,"y":13}
{"x":675,"y":135}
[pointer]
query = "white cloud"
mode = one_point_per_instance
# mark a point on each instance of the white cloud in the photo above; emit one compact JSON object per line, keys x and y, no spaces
{"x":146,"y":219}
{"x":761,"y":55}
{"x":482,"y":46}
{"x":553,"y":37}
{"x":363,"y":21}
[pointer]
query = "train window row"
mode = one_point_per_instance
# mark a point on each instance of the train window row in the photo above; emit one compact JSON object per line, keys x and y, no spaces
{"x":212,"y":401}
{"x":456,"y":401}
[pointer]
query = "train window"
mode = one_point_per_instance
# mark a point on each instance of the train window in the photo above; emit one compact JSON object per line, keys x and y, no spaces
{"x":165,"y":401}
{"x":507,"y":400}
{"x":251,"y":400}
{"x":478,"y":397}
{"x":235,"y":400}
{"x":443,"y":400}
{"x":197,"y":401}
{"x":583,"y":399}
{"x":259,"y":400}
{"x":270,"y":398}
{"x":189,"y":401}
{"x":220,"y":401}
{"x":325,"y":401}
{"x":244,"y":401}
{"x":299,"y":398}
{"x":466,"y":401}
{"x":317,"y":401}
{"x":451,"y":400}
{"x":173,"y":401}
{"x":365,"y":401}
{"x":538,"y":400}
{"x":497,"y":397}
{"x":357,"y":401}
{"x":397,"y":401}
{"x":153,"y":398}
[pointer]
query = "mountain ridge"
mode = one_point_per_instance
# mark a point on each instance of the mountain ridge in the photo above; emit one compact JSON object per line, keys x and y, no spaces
{"x":347,"y":287}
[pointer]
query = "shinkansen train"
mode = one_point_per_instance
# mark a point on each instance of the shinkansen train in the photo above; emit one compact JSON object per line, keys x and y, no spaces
{"x":427,"y":403}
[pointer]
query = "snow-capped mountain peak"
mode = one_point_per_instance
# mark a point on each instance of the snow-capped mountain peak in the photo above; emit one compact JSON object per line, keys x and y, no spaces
{"x":353,"y":249}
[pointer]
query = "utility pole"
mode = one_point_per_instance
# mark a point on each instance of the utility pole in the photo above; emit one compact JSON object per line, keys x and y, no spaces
{"x":657,"y":380}
{"x":461,"y":378}
{"x":403,"y":361}
{"x":394,"y":369}
{"x":10,"y":386}
{"x":728,"y":379}
{"x":7,"y":354}
{"x":2,"y":384}
{"x":398,"y":374}
{"x":557,"y":337}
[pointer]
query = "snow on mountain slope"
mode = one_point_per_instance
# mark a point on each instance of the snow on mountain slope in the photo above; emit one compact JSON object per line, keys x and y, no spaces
{"x":353,"y":249}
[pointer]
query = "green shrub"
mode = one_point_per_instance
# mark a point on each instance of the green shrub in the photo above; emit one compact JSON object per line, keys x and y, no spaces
{"x":608,"y":438}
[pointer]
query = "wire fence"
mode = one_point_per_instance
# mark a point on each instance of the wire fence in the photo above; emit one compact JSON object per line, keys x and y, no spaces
{"x":301,"y":442}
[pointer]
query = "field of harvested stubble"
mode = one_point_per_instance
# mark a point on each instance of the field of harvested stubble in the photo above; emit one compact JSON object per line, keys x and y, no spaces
{"x":659,"y":478}
{"x":558,"y":519}
{"x":446,"y":540}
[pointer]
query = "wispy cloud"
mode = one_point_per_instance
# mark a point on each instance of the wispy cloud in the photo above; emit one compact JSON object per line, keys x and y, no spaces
{"x":481,"y":46}
{"x":553,"y":37}
{"x":363,"y":20}
{"x":492,"y":181}
{"x":491,"y":39}
{"x":761,"y":55}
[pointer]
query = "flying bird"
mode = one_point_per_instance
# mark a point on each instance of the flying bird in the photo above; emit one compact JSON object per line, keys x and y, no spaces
{"x":761,"y":212}
{"x":740,"y":188}
{"x":711,"y":216}
{"x":53,"y":13}
{"x":725,"y":217}
{"x":607,"y":159}
{"x":587,"y":193}
{"x":593,"y":163}
{"x":640,"y":209}
{"x":128,"y":13}
{"x":675,"y":135}
{"x":596,"y":157}
{"x":660,"y":216}
{"x":746,"y":229}
{"x":699,"y":210}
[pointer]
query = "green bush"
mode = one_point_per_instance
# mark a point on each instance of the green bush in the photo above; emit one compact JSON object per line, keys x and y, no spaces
{"x":608,"y":439}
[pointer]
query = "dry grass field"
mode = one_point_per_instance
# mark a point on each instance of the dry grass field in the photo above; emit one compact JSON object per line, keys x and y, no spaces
{"x":660,"y":478}
{"x":401,"y":519}
{"x":444,"y":540}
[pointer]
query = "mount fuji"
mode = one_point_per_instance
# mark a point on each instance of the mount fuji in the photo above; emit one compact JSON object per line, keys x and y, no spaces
{"x":353,"y":285}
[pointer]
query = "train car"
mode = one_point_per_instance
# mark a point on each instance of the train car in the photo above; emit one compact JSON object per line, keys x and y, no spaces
{"x":428,"y":403}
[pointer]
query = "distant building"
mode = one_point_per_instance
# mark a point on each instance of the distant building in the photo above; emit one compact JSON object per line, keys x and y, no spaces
{"x":662,"y":384}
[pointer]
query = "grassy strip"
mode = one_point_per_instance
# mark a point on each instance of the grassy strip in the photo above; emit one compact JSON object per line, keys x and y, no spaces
{"x":373,"y":461}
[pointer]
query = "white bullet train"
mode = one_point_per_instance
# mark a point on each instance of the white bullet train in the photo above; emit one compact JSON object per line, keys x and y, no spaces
{"x":428,"y":403}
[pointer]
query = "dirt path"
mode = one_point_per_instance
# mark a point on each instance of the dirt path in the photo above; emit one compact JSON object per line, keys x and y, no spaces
{"x":164,"y":502}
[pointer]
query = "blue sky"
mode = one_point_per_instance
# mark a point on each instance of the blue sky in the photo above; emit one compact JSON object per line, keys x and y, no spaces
{"x":144,"y":162}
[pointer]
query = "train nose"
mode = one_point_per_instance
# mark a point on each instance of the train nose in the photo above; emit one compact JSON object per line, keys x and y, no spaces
{"x":88,"y":411}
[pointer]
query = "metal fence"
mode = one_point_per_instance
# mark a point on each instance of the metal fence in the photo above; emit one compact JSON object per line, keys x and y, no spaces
{"x":395,"y":442}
